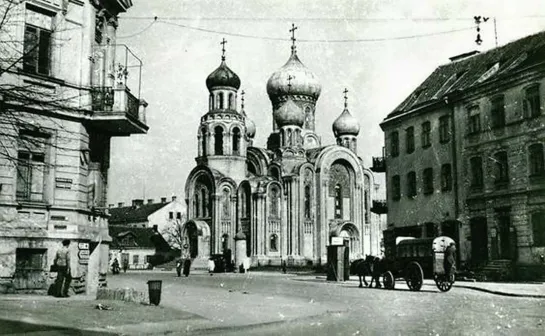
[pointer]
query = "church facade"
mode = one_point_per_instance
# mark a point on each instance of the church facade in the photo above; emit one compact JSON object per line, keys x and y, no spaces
{"x":286,"y":200}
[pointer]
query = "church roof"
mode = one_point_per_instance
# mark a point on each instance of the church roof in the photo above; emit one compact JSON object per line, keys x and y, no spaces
{"x":467,"y":73}
{"x":313,"y":153}
{"x":223,"y":76}
{"x":133,"y":214}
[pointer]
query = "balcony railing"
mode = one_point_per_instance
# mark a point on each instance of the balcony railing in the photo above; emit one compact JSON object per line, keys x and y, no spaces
{"x":379,"y":164}
{"x":379,"y":207}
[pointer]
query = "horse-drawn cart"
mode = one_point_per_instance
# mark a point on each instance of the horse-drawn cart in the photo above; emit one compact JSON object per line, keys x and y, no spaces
{"x":417,"y":259}
{"x":414,"y":260}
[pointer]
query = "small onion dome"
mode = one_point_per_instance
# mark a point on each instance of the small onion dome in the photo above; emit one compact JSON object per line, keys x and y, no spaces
{"x":289,"y":114}
{"x":223,"y":76}
{"x":294,"y":78}
{"x":240,"y":236}
{"x":346,"y":124}
{"x":250,"y":128}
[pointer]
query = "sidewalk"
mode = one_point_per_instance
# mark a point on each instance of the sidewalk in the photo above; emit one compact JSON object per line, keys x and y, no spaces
{"x":527,"y":290}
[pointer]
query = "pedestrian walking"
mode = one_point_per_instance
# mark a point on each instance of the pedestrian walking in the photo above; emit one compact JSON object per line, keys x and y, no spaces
{"x":62,"y":263}
{"x":187,"y":265}
{"x":284,"y":268}
{"x":449,"y":262}
{"x":125,"y":265}
{"x":211,"y":266}
{"x":115,"y":266}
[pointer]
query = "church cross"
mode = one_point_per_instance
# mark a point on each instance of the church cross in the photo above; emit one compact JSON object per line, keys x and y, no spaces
{"x":345,"y":97}
{"x":223,"y":43}
{"x":292,"y":31}
{"x":289,"y":82}
{"x":242,"y":99}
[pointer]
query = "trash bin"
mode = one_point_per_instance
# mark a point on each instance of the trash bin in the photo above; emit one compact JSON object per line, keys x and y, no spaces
{"x":154,"y":291}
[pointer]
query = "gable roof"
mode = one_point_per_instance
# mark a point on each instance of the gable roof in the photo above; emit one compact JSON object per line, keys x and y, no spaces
{"x":133,"y":214}
{"x":464,"y":74}
{"x":143,"y":237}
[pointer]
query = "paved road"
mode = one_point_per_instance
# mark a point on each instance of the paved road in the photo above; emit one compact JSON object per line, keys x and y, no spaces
{"x":283,"y":304}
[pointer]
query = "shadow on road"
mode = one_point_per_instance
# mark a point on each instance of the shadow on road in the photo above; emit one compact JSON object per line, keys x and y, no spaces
{"x":9,"y":327}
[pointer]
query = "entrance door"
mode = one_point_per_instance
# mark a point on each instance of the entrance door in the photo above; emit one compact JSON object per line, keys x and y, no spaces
{"x":193,"y":236}
{"x":504,"y":226}
{"x":479,"y":240}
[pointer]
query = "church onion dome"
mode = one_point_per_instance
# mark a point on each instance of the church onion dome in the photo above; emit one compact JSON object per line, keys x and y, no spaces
{"x":346,"y":124}
{"x":250,"y":128}
{"x":294,"y":78}
{"x":289,"y":114}
{"x":223,"y":76}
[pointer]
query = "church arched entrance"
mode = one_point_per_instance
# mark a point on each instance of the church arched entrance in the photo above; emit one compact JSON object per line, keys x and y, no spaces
{"x":244,"y":207}
{"x":196,"y":238}
{"x":350,"y":234}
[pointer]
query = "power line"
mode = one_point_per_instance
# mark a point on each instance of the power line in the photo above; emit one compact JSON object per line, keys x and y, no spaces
{"x":138,"y":33}
{"x":315,"y":40}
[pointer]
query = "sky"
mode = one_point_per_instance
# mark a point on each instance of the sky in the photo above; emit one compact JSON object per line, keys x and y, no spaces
{"x":389,"y":47}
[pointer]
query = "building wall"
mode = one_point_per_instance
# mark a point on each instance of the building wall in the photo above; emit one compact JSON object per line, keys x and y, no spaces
{"x":162,"y":217}
{"x":140,"y":253}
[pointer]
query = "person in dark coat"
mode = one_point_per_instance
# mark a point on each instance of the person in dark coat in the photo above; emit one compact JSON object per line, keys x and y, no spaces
{"x":187,"y":265}
{"x":179,"y":264}
{"x":64,"y":276}
{"x":450,"y":259}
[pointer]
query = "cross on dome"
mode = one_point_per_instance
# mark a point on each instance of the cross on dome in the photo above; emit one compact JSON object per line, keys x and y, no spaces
{"x":242,"y":99}
{"x":223,"y":43}
{"x":292,"y":31}
{"x":345,"y":97}
{"x":290,"y":77}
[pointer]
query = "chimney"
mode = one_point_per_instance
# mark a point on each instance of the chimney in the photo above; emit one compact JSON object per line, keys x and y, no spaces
{"x":163,"y":199}
{"x":150,"y":200}
{"x":137,"y":202}
{"x":155,"y":228}
{"x":120,"y":204}
{"x":173,"y":198}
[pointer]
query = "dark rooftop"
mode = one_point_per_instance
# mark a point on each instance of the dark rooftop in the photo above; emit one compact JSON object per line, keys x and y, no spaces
{"x":143,"y":238}
{"x":133,"y":214}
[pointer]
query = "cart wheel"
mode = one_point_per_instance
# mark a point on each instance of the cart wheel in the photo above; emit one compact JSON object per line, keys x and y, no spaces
{"x":442,"y":283}
{"x":388,"y":280}
{"x":414,"y":276}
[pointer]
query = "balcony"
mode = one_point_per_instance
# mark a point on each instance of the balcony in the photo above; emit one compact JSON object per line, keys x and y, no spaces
{"x":379,"y":164}
{"x":379,"y":207}
{"x":116,"y":108}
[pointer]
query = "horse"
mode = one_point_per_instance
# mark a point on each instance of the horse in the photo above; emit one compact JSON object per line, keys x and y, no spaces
{"x":371,"y":265}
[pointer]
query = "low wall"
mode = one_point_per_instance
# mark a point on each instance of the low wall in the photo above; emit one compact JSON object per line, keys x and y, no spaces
{"x":122,"y":294}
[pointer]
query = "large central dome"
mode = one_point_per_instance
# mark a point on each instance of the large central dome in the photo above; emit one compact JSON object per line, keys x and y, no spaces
{"x":294,"y":78}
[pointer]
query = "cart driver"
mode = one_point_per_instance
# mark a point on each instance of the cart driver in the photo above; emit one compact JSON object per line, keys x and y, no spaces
{"x":450,"y":259}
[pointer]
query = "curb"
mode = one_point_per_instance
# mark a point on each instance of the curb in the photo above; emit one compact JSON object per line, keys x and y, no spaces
{"x":476,"y":288}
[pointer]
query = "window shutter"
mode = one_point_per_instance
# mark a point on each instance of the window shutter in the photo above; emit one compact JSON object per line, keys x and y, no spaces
{"x":44,"y":52}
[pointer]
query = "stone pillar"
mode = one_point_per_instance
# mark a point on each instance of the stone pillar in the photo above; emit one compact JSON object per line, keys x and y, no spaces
{"x":111,"y":28}
{"x":216,"y":234}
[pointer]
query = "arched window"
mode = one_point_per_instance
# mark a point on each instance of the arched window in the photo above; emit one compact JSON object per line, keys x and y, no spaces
{"x":226,"y":213}
{"x":236,"y":141}
{"x":218,"y":140}
{"x":231,"y":101}
{"x":307,"y":201}
{"x":211,"y":102}
{"x":224,"y":243}
{"x":338,"y":201}
{"x":220,"y":98}
{"x":274,"y":202}
{"x":204,"y":204}
{"x":197,"y":205}
{"x":273,"y":246}
{"x":275,"y":173}
{"x":308,"y":118}
{"x":204,"y":141}
{"x":536,"y":160}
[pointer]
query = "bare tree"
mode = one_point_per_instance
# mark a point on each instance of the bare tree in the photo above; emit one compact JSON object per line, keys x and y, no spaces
{"x":173,"y":233}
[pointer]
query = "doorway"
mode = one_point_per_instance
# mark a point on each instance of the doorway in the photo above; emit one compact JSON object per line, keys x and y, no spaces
{"x":479,"y":240}
{"x":504,"y":231}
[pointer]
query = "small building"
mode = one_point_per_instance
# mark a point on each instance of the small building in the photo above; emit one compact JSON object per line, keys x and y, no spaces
{"x":465,"y":157}
{"x":140,"y":247}
{"x":164,"y":215}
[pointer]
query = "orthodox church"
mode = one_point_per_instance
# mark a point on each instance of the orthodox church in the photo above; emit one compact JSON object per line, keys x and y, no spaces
{"x":289,"y":199}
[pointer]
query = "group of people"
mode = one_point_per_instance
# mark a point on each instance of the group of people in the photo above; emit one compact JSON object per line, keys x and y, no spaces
{"x":115,"y":266}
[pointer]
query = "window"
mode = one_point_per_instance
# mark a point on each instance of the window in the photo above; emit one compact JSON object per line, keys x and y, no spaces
{"x":135,"y":259}
{"x":197,"y":205}
{"x":532,"y":102}
{"x":476,"y":166}
{"x":220,"y":100}
{"x":411,"y":184}
{"x":30,"y":259}
{"x":497,"y":112}
{"x":501,"y":168}
{"x":178,"y":215}
{"x":31,"y":166}
{"x":427,"y":181}
{"x":171,"y":215}
{"x":396,"y":187}
{"x":536,"y":160}
{"x":538,"y":228}
{"x":474,"y":120}
{"x":273,"y":246}
{"x":338,"y":201}
{"x":444,"y":132}
{"x":274,"y":195}
{"x":231,"y":101}
{"x":236,"y":141}
{"x":307,"y":202}
{"x":426,"y":129}
{"x":218,"y":141}
{"x":394,"y":144}
{"x":446,"y":177}
{"x":37,"y":43}
{"x":409,"y":139}
{"x":204,"y":141}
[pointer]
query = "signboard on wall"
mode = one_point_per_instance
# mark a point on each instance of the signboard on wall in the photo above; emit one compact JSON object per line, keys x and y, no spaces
{"x":337,"y":241}
{"x":83,"y":253}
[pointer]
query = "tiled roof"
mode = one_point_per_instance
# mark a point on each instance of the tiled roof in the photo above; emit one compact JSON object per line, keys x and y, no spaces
{"x":133,"y":214}
{"x":143,"y":237}
{"x":461,"y":75}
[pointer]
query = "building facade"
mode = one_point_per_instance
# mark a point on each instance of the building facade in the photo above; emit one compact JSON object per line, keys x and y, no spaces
{"x":286,"y":200}
{"x":64,"y":95}
{"x":464,"y":156}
